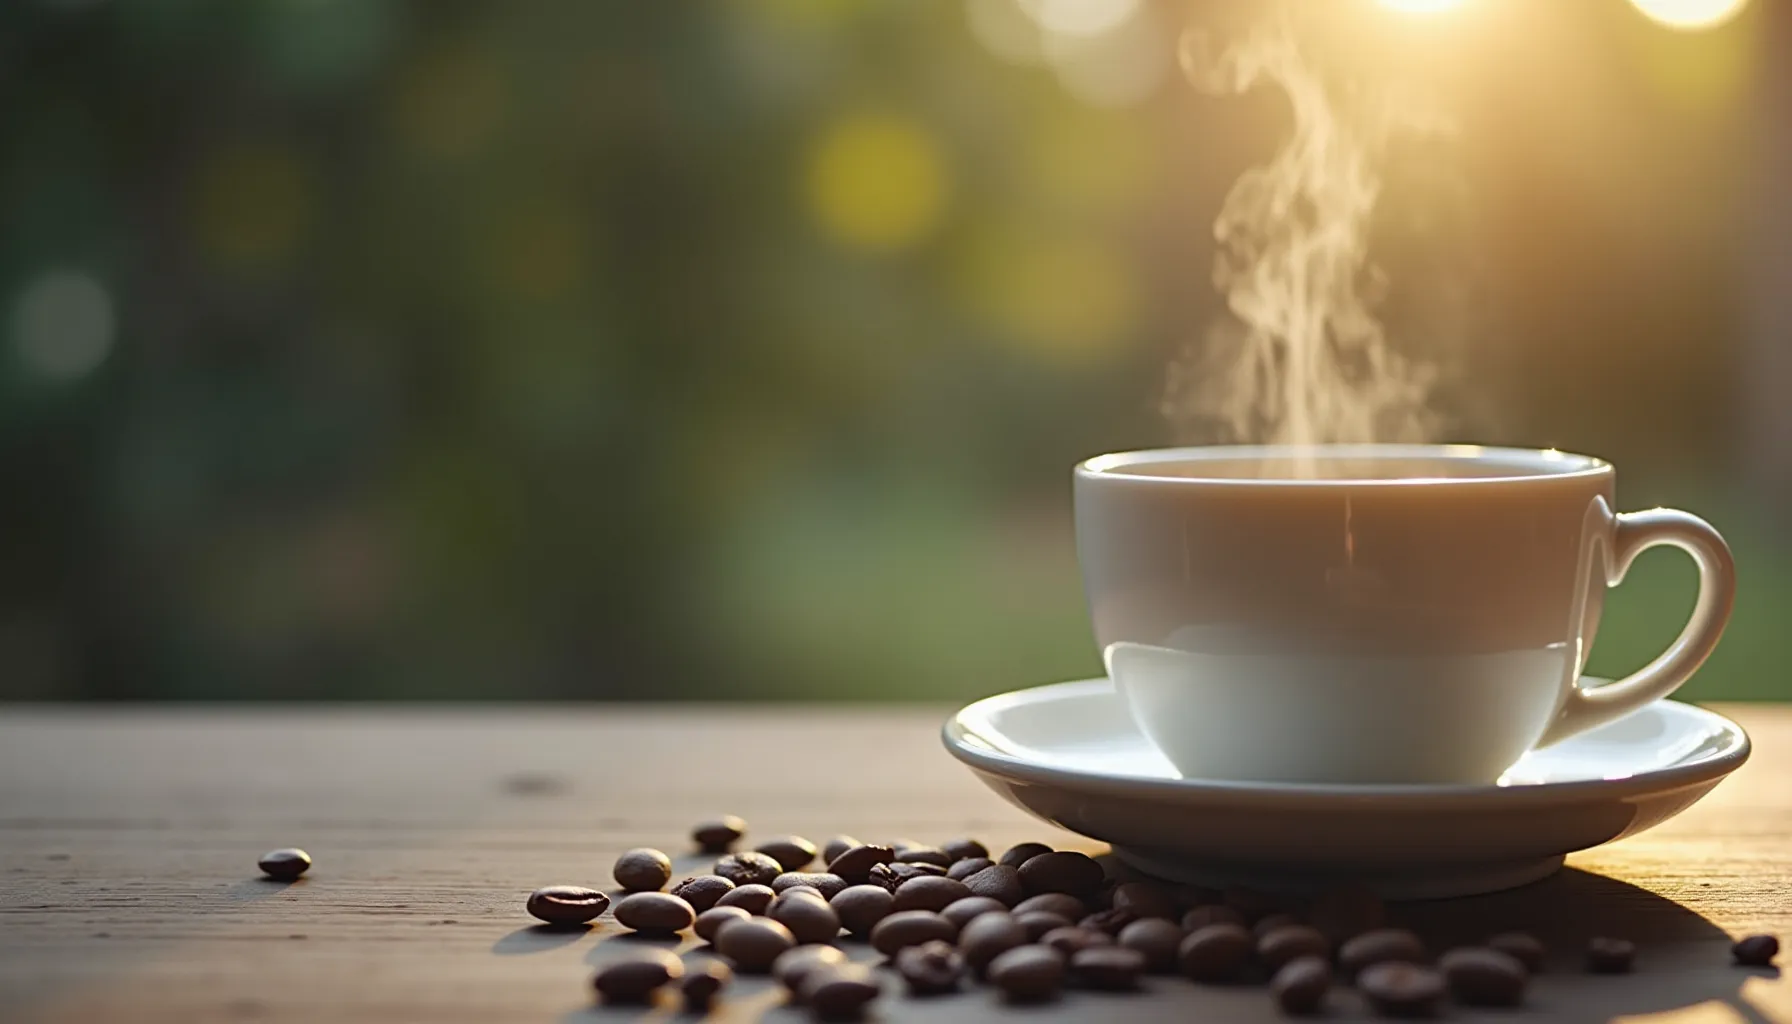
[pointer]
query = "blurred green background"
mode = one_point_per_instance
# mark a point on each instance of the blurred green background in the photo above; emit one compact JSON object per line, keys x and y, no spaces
{"x":618,"y":349}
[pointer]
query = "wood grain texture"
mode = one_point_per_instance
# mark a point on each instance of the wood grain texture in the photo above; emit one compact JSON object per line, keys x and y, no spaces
{"x":128,"y":841}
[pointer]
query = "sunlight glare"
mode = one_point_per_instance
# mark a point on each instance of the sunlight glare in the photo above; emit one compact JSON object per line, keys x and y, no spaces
{"x":1421,"y":6}
{"x":1690,"y":15}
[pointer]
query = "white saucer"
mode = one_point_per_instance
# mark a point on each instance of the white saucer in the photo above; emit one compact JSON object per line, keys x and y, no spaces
{"x":1070,"y":754}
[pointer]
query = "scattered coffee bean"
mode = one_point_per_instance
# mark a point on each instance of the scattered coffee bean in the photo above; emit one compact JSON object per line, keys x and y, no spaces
{"x":1028,"y":974}
{"x":1290,"y":942}
{"x":1156,"y":940}
{"x":792,"y":966}
{"x":962,"y":912}
{"x":1143,"y":899}
{"x":929,"y":893}
{"x":642,"y":870}
{"x":720,"y":835}
{"x":1108,"y":968}
{"x":702,"y":984}
{"x":1018,"y":855}
{"x":1521,"y":946}
{"x":840,"y":991}
{"x":809,"y":919}
{"x":1344,"y":913}
{"x":1756,"y":950}
{"x":860,"y":907}
{"x":925,"y":855}
{"x":1216,"y":953}
{"x":1252,"y":903}
{"x":965,"y":849}
{"x":988,"y":937}
{"x":829,"y":886}
{"x":1483,"y":977}
{"x":1300,"y":986}
{"x":1271,"y":922}
{"x":284,"y":865}
{"x":1039,"y":922}
{"x":567,"y":904}
{"x":855,"y":864}
{"x":1061,"y":871}
{"x":1069,"y":940}
{"x":930,"y":969}
{"x":1611,"y":956}
{"x":1399,"y":989}
{"x":751,"y":898}
{"x":710,"y":922}
{"x":635,"y":978}
{"x":797,"y":890}
{"x":749,"y":868}
{"x":1062,"y":904}
{"x":1383,"y":945}
{"x":753,"y":944}
{"x":1211,"y":913}
{"x":891,"y":876}
{"x":1108,"y":921}
{"x":654,"y":913}
{"x":703,"y":891}
{"x":964,"y":869}
{"x":836,"y":846}
{"x":793,"y":853}
{"x":910,"y":928}
{"x":1001,"y":883}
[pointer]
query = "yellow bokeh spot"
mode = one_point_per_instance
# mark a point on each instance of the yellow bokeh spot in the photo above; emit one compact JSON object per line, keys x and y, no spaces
{"x":1069,"y":300}
{"x":876,"y":183}
{"x":1690,"y":15}
{"x":449,"y":101}
{"x":1700,"y":73}
{"x":538,"y":251}
{"x":251,"y":202}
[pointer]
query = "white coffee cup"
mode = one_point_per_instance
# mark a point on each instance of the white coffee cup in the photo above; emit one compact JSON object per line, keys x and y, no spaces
{"x":1370,"y":613}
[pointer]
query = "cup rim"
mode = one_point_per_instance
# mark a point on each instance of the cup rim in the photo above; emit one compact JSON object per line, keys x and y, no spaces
{"x":1128,"y":466}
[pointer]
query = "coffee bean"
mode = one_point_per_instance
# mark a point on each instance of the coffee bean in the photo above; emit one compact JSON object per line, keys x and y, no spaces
{"x":654,"y":913}
{"x":1062,"y":871}
{"x":1290,"y":942}
{"x":1521,"y":946}
{"x":1143,"y":899}
{"x":965,"y":849}
{"x":855,"y":864}
{"x":1062,"y":904}
{"x":635,"y":978}
{"x":809,"y":920}
{"x":1252,"y":903}
{"x":1108,"y":921}
{"x":1156,"y":940}
{"x":1215,"y":953}
{"x":1002,"y":884}
{"x":719,"y":835}
{"x":1211,"y":913}
{"x":1039,"y":922}
{"x":962,"y":912}
{"x":1399,"y":989}
{"x":1346,"y":912}
{"x":1069,"y":940}
{"x":840,"y":992}
{"x":753,"y":944}
{"x":910,"y":928}
{"x":1108,"y":968}
{"x":710,"y":922}
{"x":284,"y":865}
{"x":860,"y":907}
{"x":749,"y":868}
{"x":930,"y":969}
{"x":891,"y":876}
{"x":829,"y":886}
{"x":1383,"y":945}
{"x":964,"y":869}
{"x":1028,"y":974}
{"x":988,"y":937}
{"x":567,"y":904}
{"x":928,"y":893}
{"x":925,"y":855}
{"x":793,"y":853}
{"x":1483,"y":977}
{"x":797,"y":890}
{"x":702,"y":984}
{"x":1756,"y":950}
{"x":900,"y":845}
{"x":1018,"y":855}
{"x":642,"y":870}
{"x":1268,"y":924}
{"x":836,"y":846}
{"x":1611,"y":956}
{"x":751,"y":898}
{"x":1300,"y":986}
{"x":702,"y":891}
{"x":793,"y":966}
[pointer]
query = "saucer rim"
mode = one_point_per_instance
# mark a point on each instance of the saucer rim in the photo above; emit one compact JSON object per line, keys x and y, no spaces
{"x":1390,"y":796}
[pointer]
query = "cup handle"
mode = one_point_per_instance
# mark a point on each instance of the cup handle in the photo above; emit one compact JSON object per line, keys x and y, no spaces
{"x":1634,"y":533}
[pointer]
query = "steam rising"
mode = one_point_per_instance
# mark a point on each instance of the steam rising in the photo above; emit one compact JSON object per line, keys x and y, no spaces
{"x":1302,"y":358}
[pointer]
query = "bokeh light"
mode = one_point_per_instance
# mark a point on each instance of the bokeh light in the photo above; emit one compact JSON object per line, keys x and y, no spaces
{"x":62,"y":325}
{"x":1690,"y":15}
{"x":1080,"y":17}
{"x":876,"y":183}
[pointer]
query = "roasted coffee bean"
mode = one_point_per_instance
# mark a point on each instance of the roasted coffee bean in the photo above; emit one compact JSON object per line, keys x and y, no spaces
{"x":1383,"y":945}
{"x":793,"y":853}
{"x":855,"y":864}
{"x":1756,"y":950}
{"x":930,"y":969}
{"x":1001,"y":883}
{"x":1039,"y":922}
{"x":1062,"y":904}
{"x":1108,"y":921}
{"x":965,"y":849}
{"x":749,"y":868}
{"x":1300,"y":986}
{"x":719,"y":835}
{"x":962,"y":912}
{"x":929,"y":893}
{"x":1108,"y":968}
{"x":751,"y":898}
{"x":703,"y":891}
{"x":798,"y":890}
{"x":840,"y":991}
{"x":284,"y":865}
{"x":654,"y":913}
{"x":1483,"y":977}
{"x":1290,"y":942}
{"x":567,"y":904}
{"x":836,"y":846}
{"x":1611,"y":956}
{"x":891,"y":876}
{"x":964,"y":869}
{"x":1018,"y":855}
{"x":1521,"y":946}
{"x":753,"y":944}
{"x":642,"y":870}
{"x":1061,"y":871}
{"x":710,"y":922}
{"x":829,"y":886}
{"x":1399,"y":989}
{"x":988,"y":937}
{"x":1268,"y":924}
{"x":1156,"y":940}
{"x":860,"y":907}
{"x":1028,"y":974}
{"x":1344,"y":913}
{"x":809,"y":919}
{"x":1215,"y":953}
{"x":1069,"y":940}
{"x":792,"y":966}
{"x":702,"y":984}
{"x":1252,"y":903}
{"x":635,"y":978}
{"x":925,"y":855}
{"x":1143,"y":899}
{"x":910,"y":928}
{"x":1210,"y":913}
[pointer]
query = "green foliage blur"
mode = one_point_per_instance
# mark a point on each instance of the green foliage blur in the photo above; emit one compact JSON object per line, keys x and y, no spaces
{"x":565,"y":349}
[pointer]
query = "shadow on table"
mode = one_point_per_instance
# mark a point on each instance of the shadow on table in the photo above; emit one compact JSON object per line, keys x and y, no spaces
{"x":539,"y":938}
{"x":251,"y":889}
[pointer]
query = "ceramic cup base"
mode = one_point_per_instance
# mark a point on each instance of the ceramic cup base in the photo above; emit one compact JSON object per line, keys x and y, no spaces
{"x":1409,"y":882}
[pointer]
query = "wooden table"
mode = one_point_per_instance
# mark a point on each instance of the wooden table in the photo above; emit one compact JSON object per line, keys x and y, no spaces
{"x":128,"y":840}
